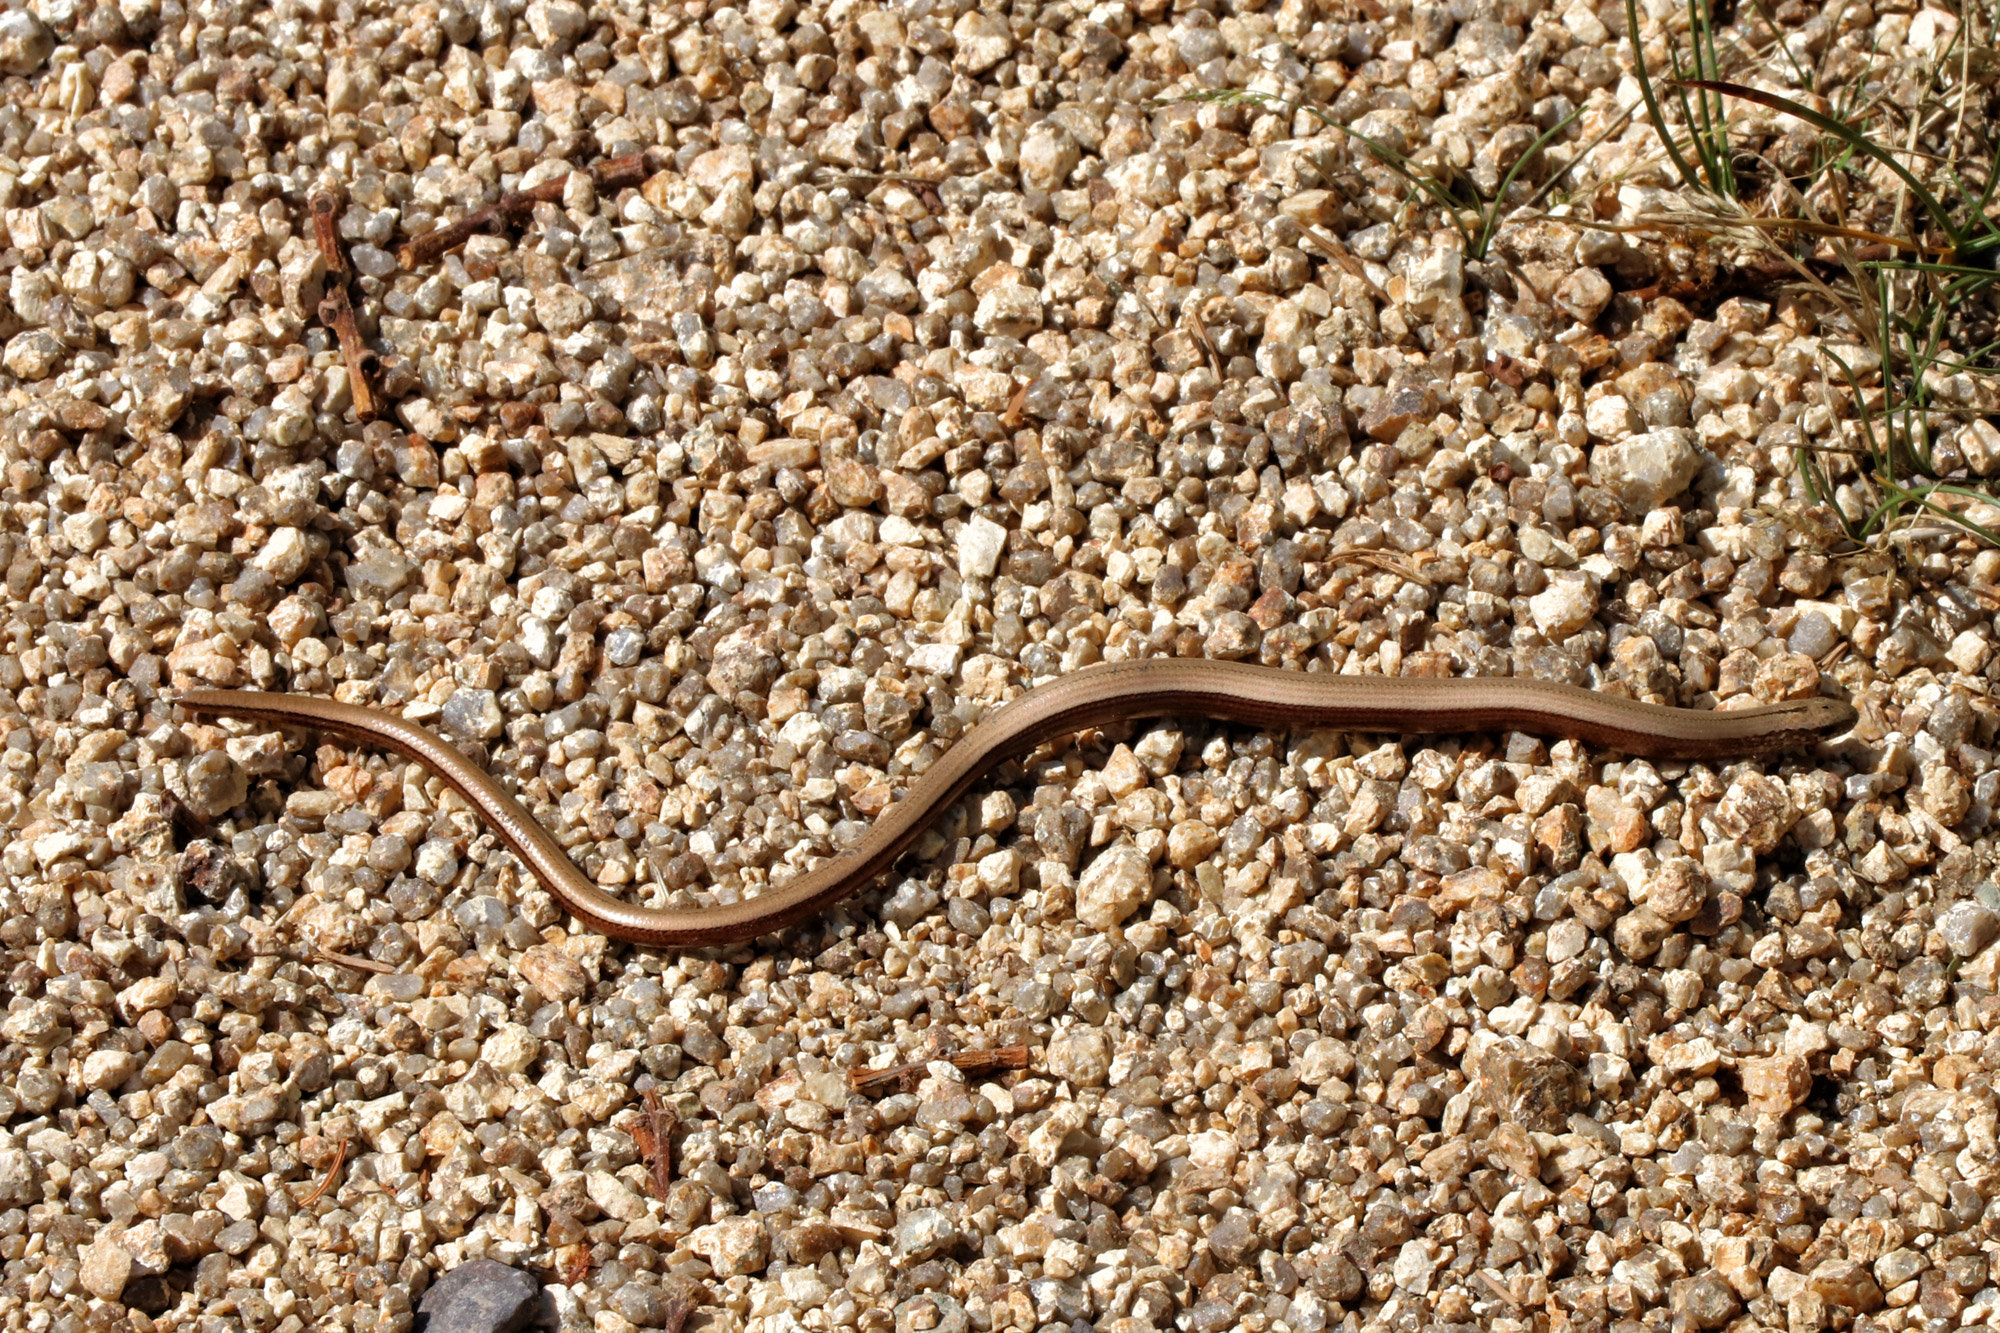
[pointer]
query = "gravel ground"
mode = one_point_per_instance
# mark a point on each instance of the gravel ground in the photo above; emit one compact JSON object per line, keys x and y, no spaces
{"x":935,"y":357}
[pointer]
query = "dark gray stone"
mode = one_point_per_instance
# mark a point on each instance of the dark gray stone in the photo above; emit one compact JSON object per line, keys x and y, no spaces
{"x":479,"y":1297}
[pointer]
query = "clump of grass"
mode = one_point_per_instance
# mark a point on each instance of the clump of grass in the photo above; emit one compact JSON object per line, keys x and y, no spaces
{"x":1477,"y":231}
{"x":1708,"y":125}
{"x":1946,"y":259}
{"x":1897,"y":460}
{"x":1971,"y":238}
{"x":1939,"y":254}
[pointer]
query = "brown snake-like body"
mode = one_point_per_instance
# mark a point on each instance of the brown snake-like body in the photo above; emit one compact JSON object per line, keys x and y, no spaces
{"x":1096,"y":696}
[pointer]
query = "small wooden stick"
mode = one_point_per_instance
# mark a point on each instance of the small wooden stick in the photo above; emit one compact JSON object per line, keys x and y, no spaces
{"x":359,"y":964}
{"x":612,"y":174}
{"x":1201,"y":335}
{"x":1381,"y":560}
{"x":329,"y":238}
{"x":1498,"y":1288}
{"x":1012,"y":416}
{"x":905,"y":1078}
{"x":1342,"y":256}
{"x":650,"y":1133}
{"x":336,"y":311}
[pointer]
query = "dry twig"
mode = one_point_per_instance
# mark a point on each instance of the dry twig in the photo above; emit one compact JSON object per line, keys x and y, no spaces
{"x":1341,"y":255}
{"x":1011,"y":418}
{"x":1498,"y":1288}
{"x":905,"y":1078}
{"x":1200,"y":331}
{"x":1383,"y":561}
{"x":354,"y":961}
{"x":336,"y":310}
{"x":650,"y":1133}
{"x":613,"y":174}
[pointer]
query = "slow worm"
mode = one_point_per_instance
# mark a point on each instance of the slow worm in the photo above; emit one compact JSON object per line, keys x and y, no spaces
{"x":1227,"y":691}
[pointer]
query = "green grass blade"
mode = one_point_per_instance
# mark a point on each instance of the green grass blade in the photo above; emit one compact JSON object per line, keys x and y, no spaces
{"x":1387,"y":156}
{"x":1889,"y":510}
{"x":1847,"y":133}
{"x":1491,"y":214}
{"x":1988,"y":238}
{"x":1875,"y":455}
{"x":1928,"y":266}
{"x":1799,"y":72}
{"x":1694,"y":115}
{"x":1653,"y":111}
{"x":1819,"y":491}
{"x":1986,"y":534}
{"x":1421,"y":180}
{"x":1718,"y":116}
